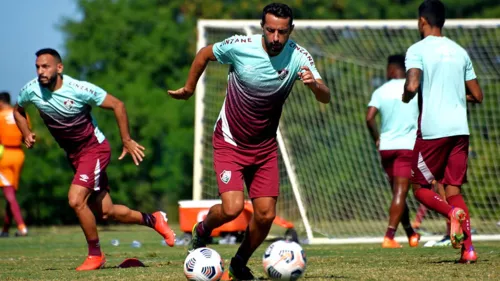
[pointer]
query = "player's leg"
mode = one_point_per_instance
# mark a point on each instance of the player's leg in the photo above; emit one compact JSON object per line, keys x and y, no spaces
{"x":396,"y":210}
{"x":230,"y":208}
{"x":419,"y":217}
{"x":388,"y":158}
{"x":256,"y":232}
{"x":9,"y":193}
{"x":428,"y":164}
{"x":102,"y":205}
{"x":400,"y":211}
{"x":17,"y":165}
{"x":455,"y":176}
{"x":262,"y":182}
{"x":402,"y":175}
{"x":228,"y":169}
{"x":77,"y":197}
{"x":445,"y":241}
{"x":7,"y":222}
{"x":397,"y":164}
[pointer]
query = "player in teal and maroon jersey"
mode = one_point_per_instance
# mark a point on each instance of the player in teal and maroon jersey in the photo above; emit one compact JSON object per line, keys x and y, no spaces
{"x":441,"y":72}
{"x":395,"y":143}
{"x":262,"y":71}
{"x":64,"y":104}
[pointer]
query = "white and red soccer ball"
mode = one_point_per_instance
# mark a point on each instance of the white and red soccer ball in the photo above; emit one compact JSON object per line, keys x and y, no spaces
{"x":203,"y":264}
{"x":284,"y":260}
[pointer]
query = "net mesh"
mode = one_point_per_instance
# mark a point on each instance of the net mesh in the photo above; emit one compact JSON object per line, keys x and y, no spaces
{"x":340,"y":179}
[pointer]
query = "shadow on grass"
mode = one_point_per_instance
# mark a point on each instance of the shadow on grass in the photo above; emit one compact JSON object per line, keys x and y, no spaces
{"x":315,"y":277}
{"x":444,"y":262}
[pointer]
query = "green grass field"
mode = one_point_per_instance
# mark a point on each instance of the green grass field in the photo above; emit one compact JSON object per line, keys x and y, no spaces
{"x":53,"y":253}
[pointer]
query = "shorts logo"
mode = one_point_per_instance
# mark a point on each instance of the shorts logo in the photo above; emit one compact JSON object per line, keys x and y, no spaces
{"x":225,"y":176}
{"x":84,"y":177}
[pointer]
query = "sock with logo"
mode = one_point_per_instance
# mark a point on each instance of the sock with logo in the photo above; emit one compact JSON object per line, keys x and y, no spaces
{"x":433,"y":201}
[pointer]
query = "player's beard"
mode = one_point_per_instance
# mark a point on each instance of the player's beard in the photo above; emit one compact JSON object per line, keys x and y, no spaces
{"x":273,"y":48}
{"x":49,"y":82}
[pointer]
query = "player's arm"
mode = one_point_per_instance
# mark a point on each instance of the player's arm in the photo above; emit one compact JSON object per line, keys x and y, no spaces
{"x":200,"y":62}
{"x":412,"y":84}
{"x":22,"y":123}
{"x":129,"y":145}
{"x":474,"y":91}
{"x":414,"y":67}
{"x":371,"y":124}
{"x":317,"y":86}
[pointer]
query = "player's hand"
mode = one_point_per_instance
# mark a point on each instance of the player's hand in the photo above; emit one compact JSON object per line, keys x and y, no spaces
{"x":30,"y":140}
{"x":180,"y":94}
{"x":306,"y":76}
{"x":377,"y":143}
{"x":136,"y":151}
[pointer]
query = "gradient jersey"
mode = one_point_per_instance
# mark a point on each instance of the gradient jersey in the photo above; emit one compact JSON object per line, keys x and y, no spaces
{"x":10,"y":135}
{"x":442,"y":100}
{"x":66,"y":111}
{"x":258,"y":86}
{"x":399,"y":120}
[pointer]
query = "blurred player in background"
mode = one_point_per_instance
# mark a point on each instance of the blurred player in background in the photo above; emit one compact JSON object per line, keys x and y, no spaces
{"x":64,"y":105}
{"x":11,"y":164}
{"x":442,"y":74}
{"x":395,"y":143}
{"x":263,"y":69}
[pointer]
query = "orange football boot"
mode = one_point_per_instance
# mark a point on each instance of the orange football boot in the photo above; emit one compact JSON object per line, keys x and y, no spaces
{"x":457,"y":216}
{"x":413,"y":240}
{"x":92,"y":263}
{"x":390,"y":243}
{"x":161,"y":226}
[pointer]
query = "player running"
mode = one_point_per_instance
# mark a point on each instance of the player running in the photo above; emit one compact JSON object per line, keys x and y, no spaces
{"x":395,"y":143}
{"x":64,"y":104}
{"x":263,"y":69}
{"x":11,"y":164}
{"x":440,"y":71}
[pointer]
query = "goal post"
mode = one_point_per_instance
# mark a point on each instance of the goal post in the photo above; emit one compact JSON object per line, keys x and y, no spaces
{"x":332,"y":185}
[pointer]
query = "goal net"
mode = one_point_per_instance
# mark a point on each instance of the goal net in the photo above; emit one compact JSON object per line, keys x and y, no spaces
{"x":332,"y":185}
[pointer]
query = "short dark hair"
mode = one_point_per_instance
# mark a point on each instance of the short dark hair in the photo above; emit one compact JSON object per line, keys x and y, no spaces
{"x":279,"y":10}
{"x":398,"y":60}
{"x":49,"y":51}
{"x":5,"y":97}
{"x":433,"y":11}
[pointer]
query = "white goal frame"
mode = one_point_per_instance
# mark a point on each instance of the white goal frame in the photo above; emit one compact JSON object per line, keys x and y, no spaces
{"x":247,"y":26}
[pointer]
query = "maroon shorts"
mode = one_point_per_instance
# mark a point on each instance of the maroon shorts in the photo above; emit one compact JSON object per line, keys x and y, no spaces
{"x":258,"y":171}
{"x":90,"y":166}
{"x":396,"y":163}
{"x":443,"y":160}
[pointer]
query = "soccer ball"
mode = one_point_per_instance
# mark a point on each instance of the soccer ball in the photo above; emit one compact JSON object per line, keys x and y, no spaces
{"x":284,"y":260}
{"x":203,"y":264}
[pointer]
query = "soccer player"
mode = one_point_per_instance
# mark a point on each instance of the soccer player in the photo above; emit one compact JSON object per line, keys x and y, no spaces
{"x":11,"y":163}
{"x":64,"y":104}
{"x":263,"y":69}
{"x":395,"y":143}
{"x":440,"y":71}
